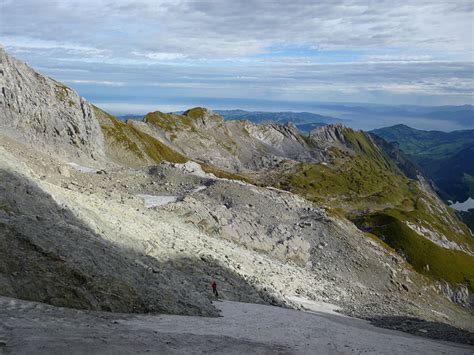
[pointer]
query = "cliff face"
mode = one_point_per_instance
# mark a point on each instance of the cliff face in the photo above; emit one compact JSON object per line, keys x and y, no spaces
{"x":46,"y":113}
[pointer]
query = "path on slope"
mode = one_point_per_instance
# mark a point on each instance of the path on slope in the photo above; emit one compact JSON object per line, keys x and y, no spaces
{"x":28,"y":327}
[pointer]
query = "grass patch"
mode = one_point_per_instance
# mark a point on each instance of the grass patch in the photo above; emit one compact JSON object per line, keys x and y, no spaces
{"x":195,"y":113}
{"x":211,"y":169}
{"x":170,"y":122}
{"x":453,"y":266}
{"x":157,"y":150}
{"x":134,"y":141}
{"x":351,"y":181}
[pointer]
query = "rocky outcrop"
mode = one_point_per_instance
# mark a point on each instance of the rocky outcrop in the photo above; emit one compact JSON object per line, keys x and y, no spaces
{"x":458,"y":294}
{"x":47,"y":114}
{"x":235,"y":145}
{"x":329,"y":135}
{"x":204,"y":118}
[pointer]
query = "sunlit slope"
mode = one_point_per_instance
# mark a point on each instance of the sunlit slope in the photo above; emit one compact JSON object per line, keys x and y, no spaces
{"x":361,"y":182}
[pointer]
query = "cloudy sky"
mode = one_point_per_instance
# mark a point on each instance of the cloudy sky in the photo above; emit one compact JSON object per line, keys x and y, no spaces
{"x":132,"y":56}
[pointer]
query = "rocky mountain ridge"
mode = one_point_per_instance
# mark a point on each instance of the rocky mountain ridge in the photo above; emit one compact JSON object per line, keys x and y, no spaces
{"x":82,"y":235}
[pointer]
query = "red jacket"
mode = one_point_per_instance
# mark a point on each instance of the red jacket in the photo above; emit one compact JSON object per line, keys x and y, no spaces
{"x":214,"y":286}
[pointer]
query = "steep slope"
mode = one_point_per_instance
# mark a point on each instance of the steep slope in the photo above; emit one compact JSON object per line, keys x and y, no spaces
{"x":46,"y":113}
{"x":439,"y":154}
{"x":454,"y":174}
{"x":363,"y":183}
{"x":86,"y":238}
{"x":128,"y":146}
{"x":446,"y":158}
{"x":340,"y":168}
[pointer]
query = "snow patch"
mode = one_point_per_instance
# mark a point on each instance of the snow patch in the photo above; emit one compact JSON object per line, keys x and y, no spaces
{"x":154,"y":201}
{"x":314,"y":306}
{"x":82,"y":169}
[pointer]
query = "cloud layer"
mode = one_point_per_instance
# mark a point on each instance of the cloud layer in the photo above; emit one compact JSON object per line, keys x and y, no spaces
{"x":376,"y":51}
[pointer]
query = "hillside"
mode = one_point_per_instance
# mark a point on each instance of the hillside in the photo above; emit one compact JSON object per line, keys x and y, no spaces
{"x":446,"y":158}
{"x":141,"y":216}
{"x":335,"y":166}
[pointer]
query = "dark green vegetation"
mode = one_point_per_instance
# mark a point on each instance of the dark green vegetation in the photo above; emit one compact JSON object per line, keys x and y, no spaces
{"x":425,"y":256}
{"x":447,"y":158}
{"x":170,"y":122}
{"x":366,"y":186}
{"x":358,"y":178}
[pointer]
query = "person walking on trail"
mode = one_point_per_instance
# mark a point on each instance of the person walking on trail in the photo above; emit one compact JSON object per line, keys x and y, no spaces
{"x":214,"y":289}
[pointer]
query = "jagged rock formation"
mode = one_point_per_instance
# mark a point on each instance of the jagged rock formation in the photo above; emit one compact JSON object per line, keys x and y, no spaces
{"x":84,"y":238}
{"x":47,"y":113}
{"x":234,"y":145}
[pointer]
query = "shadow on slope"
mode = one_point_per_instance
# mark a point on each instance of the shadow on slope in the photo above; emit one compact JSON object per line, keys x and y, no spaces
{"x":428,"y":329}
{"x":48,"y":255}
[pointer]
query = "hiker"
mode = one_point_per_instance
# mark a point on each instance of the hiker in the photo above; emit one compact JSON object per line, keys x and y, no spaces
{"x":214,"y":289}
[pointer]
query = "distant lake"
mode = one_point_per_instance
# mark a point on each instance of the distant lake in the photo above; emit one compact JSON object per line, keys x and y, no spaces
{"x":463,"y":206}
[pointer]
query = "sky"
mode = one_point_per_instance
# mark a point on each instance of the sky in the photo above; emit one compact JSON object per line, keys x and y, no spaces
{"x":135,"y":56}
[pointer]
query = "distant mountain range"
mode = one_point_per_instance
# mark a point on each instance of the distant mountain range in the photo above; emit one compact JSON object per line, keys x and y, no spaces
{"x":463,"y":115}
{"x":359,"y":116}
{"x":298,"y":118}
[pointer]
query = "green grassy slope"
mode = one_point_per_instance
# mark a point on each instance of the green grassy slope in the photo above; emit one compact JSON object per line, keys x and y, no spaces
{"x":453,"y":266}
{"x":368,"y":188}
{"x":428,"y":144}
{"x":445,"y":157}
{"x":362,"y":178}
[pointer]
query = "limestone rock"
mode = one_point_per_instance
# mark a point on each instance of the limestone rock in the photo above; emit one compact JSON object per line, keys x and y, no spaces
{"x":46,"y":113}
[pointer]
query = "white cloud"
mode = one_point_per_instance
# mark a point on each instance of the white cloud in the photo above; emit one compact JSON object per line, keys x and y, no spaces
{"x":95,"y":82}
{"x":25,"y":43}
{"x":160,"y":56}
{"x":299,"y":49}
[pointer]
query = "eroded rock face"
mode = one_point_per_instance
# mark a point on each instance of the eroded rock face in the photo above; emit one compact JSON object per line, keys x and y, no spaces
{"x":459,"y":295}
{"x":46,"y":113}
{"x":329,"y":135}
{"x":236,"y":145}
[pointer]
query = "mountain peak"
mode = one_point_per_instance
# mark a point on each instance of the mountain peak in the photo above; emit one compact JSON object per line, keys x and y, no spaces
{"x":203,"y":116}
{"x":329,"y":133}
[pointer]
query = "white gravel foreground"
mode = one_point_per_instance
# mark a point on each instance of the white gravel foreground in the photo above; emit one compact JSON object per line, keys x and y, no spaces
{"x":28,"y":327}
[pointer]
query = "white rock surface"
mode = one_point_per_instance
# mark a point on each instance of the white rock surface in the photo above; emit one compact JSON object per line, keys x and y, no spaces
{"x":47,"y":114}
{"x":82,"y":169}
{"x":155,"y":201}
